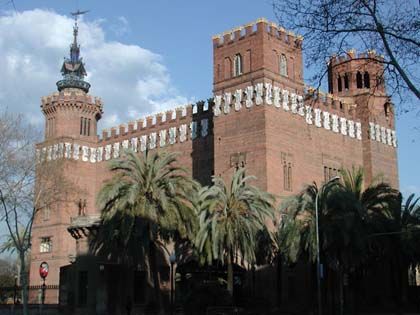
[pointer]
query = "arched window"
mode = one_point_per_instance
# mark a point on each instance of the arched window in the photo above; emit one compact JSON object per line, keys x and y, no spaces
{"x":283,"y":65}
{"x":387,"y":109}
{"x":346,"y":81}
{"x":366,"y":80}
{"x":359,"y":80}
{"x":339,"y":85}
{"x":238,"y":65}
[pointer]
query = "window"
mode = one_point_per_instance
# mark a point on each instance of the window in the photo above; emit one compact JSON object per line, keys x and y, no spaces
{"x":366,"y":80}
{"x":283,"y":65}
{"x":46,"y":245}
{"x":287,"y":176}
{"x":346,"y":82}
{"x":340,"y":87}
{"x":85,"y":126}
{"x":292,"y":67}
{"x":46,"y":212}
{"x":359,"y":83}
{"x":227,"y":68}
{"x":330,"y":172}
{"x":238,"y":65}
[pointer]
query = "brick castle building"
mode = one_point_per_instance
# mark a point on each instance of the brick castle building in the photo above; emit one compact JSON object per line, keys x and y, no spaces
{"x":263,"y":117}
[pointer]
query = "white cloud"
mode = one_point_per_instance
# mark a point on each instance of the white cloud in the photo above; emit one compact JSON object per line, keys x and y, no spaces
{"x":132,"y":81}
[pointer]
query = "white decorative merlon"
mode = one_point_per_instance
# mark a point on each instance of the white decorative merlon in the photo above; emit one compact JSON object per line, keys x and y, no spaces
{"x":276,"y":101}
{"x":143,"y":143}
{"x":358,"y":131}
{"x":217,"y":105}
{"x":152,"y":140}
{"x":293,"y":103}
{"x":238,"y":99}
{"x":318,"y":117}
{"x":343,"y":126}
{"x":259,"y":91}
{"x":335,"y":125}
{"x":249,"y":92}
{"x":172,"y":135}
{"x":162,"y":138}
{"x":116,"y":150}
{"x":183,"y":133}
{"x":327,"y":124}
{"x":268,"y":93}
{"x":352,"y":133}
{"x":227,"y":98}
{"x":134,"y":144}
{"x":108,"y":149}
{"x":285,"y":97}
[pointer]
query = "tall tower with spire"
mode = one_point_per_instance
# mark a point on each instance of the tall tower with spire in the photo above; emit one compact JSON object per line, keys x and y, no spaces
{"x":71,"y":117}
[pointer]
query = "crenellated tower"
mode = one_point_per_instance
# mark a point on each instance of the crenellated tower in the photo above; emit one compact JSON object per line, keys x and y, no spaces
{"x":359,"y":79}
{"x":71,"y":117}
{"x":72,"y":112}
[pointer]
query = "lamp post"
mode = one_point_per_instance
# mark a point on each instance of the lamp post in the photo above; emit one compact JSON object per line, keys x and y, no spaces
{"x":172,"y":259}
{"x":318,"y":258}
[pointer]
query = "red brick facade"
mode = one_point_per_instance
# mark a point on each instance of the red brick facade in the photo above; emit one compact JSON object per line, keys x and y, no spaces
{"x":264,"y":119}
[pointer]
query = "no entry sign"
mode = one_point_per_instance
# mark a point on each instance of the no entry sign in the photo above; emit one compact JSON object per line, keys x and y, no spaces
{"x":43,"y":270}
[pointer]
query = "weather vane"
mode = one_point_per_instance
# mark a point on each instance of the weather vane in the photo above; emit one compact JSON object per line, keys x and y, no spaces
{"x":77,"y":13}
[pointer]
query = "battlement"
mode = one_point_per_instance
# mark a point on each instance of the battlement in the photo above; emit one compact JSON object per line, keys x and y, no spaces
{"x":353,"y":55}
{"x":328,"y":101}
{"x":71,"y":97}
{"x":161,"y":120}
{"x":259,"y":27}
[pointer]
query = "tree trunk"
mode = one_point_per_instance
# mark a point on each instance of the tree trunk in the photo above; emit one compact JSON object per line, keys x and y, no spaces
{"x":341,"y":290}
{"x":230,"y":273}
{"x":24,"y":283}
{"x":155,"y":273}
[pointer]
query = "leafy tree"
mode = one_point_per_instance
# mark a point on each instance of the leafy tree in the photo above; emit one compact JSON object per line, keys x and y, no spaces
{"x":330,"y":27}
{"x":229,"y":219}
{"x":147,"y":200}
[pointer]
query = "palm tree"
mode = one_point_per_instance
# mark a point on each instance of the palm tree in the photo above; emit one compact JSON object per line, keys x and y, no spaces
{"x":399,"y":241}
{"x":348,"y":214}
{"x":229,"y":220}
{"x":147,"y":199}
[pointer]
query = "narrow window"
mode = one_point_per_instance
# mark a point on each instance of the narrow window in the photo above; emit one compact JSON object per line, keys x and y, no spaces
{"x":359,"y":80}
{"x":238,"y":65}
{"x":340,"y":87}
{"x":366,"y":80}
{"x":292,"y":68}
{"x":85,"y":127}
{"x":285,"y":180}
{"x":346,"y":82}
{"x":88,"y":128}
{"x":283,"y":65}
{"x":45,"y":245}
{"x":386,"y":109}
{"x":289,"y":177}
{"x":47,"y":212}
{"x":81,"y":125}
{"x":227,"y":68}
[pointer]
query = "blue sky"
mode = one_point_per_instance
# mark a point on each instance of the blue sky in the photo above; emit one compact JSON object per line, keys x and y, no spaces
{"x":141,"y":57}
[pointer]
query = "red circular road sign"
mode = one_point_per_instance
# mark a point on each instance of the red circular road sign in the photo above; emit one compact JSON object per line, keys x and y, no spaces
{"x":43,"y":270}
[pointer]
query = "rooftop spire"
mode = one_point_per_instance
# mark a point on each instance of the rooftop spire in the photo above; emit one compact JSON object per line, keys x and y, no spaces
{"x":73,"y":69}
